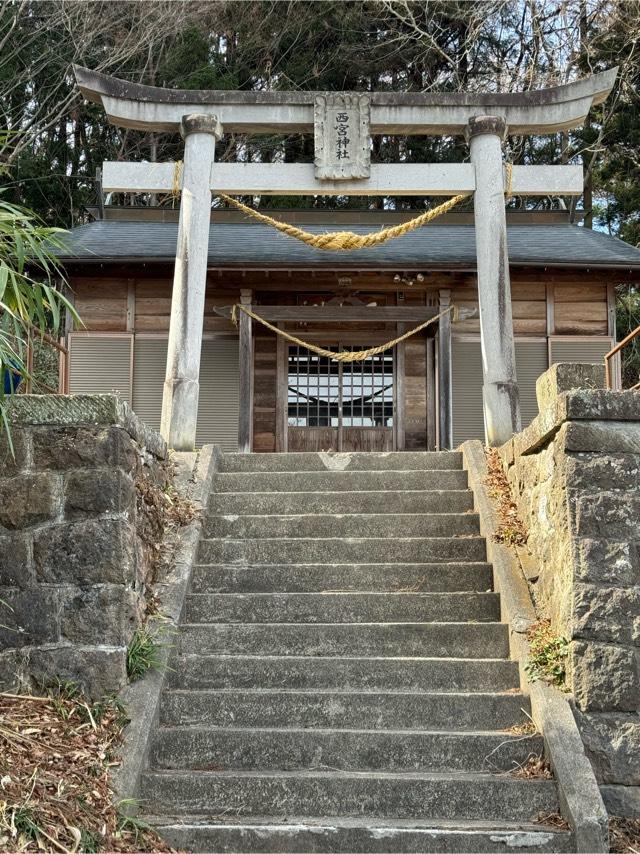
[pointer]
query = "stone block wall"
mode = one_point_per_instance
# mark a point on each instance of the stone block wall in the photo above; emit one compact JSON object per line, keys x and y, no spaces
{"x":74,"y":569}
{"x":575,"y":474}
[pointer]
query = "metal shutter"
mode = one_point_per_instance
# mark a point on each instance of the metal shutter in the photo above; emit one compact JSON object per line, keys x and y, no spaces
{"x":100,"y":364}
{"x":218,"y":402}
{"x":531,"y":361}
{"x":218,"y":399}
{"x":466,"y":371}
{"x":149,"y":368}
{"x":468,"y":418}
{"x":579,"y":349}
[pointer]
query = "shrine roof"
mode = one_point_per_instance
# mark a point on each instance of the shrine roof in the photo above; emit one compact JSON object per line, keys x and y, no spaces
{"x":253,"y":246}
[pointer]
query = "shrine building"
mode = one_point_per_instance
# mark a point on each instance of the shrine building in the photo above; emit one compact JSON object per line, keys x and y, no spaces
{"x":120,"y":269}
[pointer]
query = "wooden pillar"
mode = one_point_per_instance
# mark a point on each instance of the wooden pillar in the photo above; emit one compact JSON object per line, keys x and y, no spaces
{"x":182,"y":380}
{"x":431,"y":394}
{"x":399,"y":393}
{"x":245,"y":355}
{"x":445,"y":408}
{"x":500,"y":387}
{"x":282,"y":393}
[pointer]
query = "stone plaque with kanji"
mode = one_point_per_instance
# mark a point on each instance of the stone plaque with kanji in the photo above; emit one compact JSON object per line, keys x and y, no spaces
{"x":342,"y":141}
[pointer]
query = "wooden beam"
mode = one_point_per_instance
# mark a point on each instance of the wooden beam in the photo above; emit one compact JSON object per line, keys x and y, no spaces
{"x":336,"y":314}
{"x":298,"y":179}
{"x":245,"y":378}
{"x":445,"y":387}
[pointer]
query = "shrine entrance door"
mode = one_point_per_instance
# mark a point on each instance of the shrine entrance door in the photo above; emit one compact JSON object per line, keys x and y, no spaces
{"x":340,"y":406}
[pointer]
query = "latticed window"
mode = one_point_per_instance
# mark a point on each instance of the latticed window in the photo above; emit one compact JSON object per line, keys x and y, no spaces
{"x":323,"y":393}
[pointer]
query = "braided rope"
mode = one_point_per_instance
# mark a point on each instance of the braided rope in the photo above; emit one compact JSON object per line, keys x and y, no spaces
{"x":340,"y":241}
{"x":344,"y":355}
{"x":347,"y":240}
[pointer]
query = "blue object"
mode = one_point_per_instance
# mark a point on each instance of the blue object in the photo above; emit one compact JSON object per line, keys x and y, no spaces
{"x":11,"y":380}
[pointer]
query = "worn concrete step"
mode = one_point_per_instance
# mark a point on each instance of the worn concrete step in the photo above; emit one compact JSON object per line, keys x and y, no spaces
{"x":341,"y":607}
{"x":350,"y":672}
{"x":340,"y":550}
{"x":288,"y":749}
{"x":358,"y":461}
{"x":436,"y":640}
{"x":343,"y":709}
{"x":408,"y":795}
{"x":336,"y":577}
{"x":344,"y":525}
{"x":333,"y":481}
{"x":335,"y":834}
{"x":381,"y":501}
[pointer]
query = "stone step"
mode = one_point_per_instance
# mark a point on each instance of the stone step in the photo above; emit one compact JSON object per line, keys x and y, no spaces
{"x":435,"y":640}
{"x":360,"y":525}
{"x":381,"y":501}
{"x":333,"y":481}
{"x":339,"y":550}
{"x":318,"y":578}
{"x":333,"y":834}
{"x":350,"y":672}
{"x":321,"y":461}
{"x":343,"y":709}
{"x":288,"y":749}
{"x":409,"y":795}
{"x":341,"y":607}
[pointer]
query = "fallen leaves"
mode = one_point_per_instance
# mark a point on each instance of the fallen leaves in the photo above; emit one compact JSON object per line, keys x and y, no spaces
{"x":55,"y":754}
{"x":624,"y":835}
{"x":511,"y":530}
{"x":535,"y":768}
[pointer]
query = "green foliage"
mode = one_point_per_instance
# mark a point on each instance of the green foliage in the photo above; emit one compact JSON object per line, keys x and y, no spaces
{"x":30,"y":304}
{"x":89,"y":842}
{"x":144,"y":652}
{"x":547,"y":655}
{"x":23,"y":821}
{"x":128,"y":823}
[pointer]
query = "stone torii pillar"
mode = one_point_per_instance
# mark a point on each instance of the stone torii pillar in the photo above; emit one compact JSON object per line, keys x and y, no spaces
{"x":182,"y":380}
{"x":500,"y":392}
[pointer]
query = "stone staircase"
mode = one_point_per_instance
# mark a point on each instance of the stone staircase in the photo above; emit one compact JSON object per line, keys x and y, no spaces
{"x":342,"y":681}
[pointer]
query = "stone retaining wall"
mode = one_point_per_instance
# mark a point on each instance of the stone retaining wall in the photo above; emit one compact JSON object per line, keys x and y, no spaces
{"x":74,"y":569}
{"x":575,"y":474}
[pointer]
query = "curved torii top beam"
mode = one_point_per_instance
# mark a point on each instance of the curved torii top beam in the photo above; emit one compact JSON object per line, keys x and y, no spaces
{"x":537,"y":111}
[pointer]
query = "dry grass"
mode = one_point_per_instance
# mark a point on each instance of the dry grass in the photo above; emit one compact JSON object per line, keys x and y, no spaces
{"x":511,"y":530}
{"x":535,"y":768}
{"x":528,"y":728}
{"x":162,"y":511}
{"x":552,"y":819}
{"x":624,"y":835}
{"x":55,"y":755}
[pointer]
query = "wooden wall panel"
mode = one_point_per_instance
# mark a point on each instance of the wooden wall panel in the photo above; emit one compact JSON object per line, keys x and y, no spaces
{"x":580,"y":308}
{"x":101,"y":303}
{"x":264,"y":392}
{"x":153,"y":306}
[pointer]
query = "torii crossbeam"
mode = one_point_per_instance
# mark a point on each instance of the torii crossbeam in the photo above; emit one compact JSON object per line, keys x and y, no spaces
{"x":342,"y":124}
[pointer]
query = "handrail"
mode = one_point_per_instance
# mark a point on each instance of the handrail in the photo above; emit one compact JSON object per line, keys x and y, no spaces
{"x":612,"y":353}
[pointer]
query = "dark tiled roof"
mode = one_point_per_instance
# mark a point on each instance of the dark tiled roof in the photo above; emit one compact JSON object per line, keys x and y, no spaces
{"x":443,"y":246}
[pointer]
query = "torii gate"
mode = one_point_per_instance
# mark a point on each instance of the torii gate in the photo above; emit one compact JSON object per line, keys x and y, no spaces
{"x":342,"y":124}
